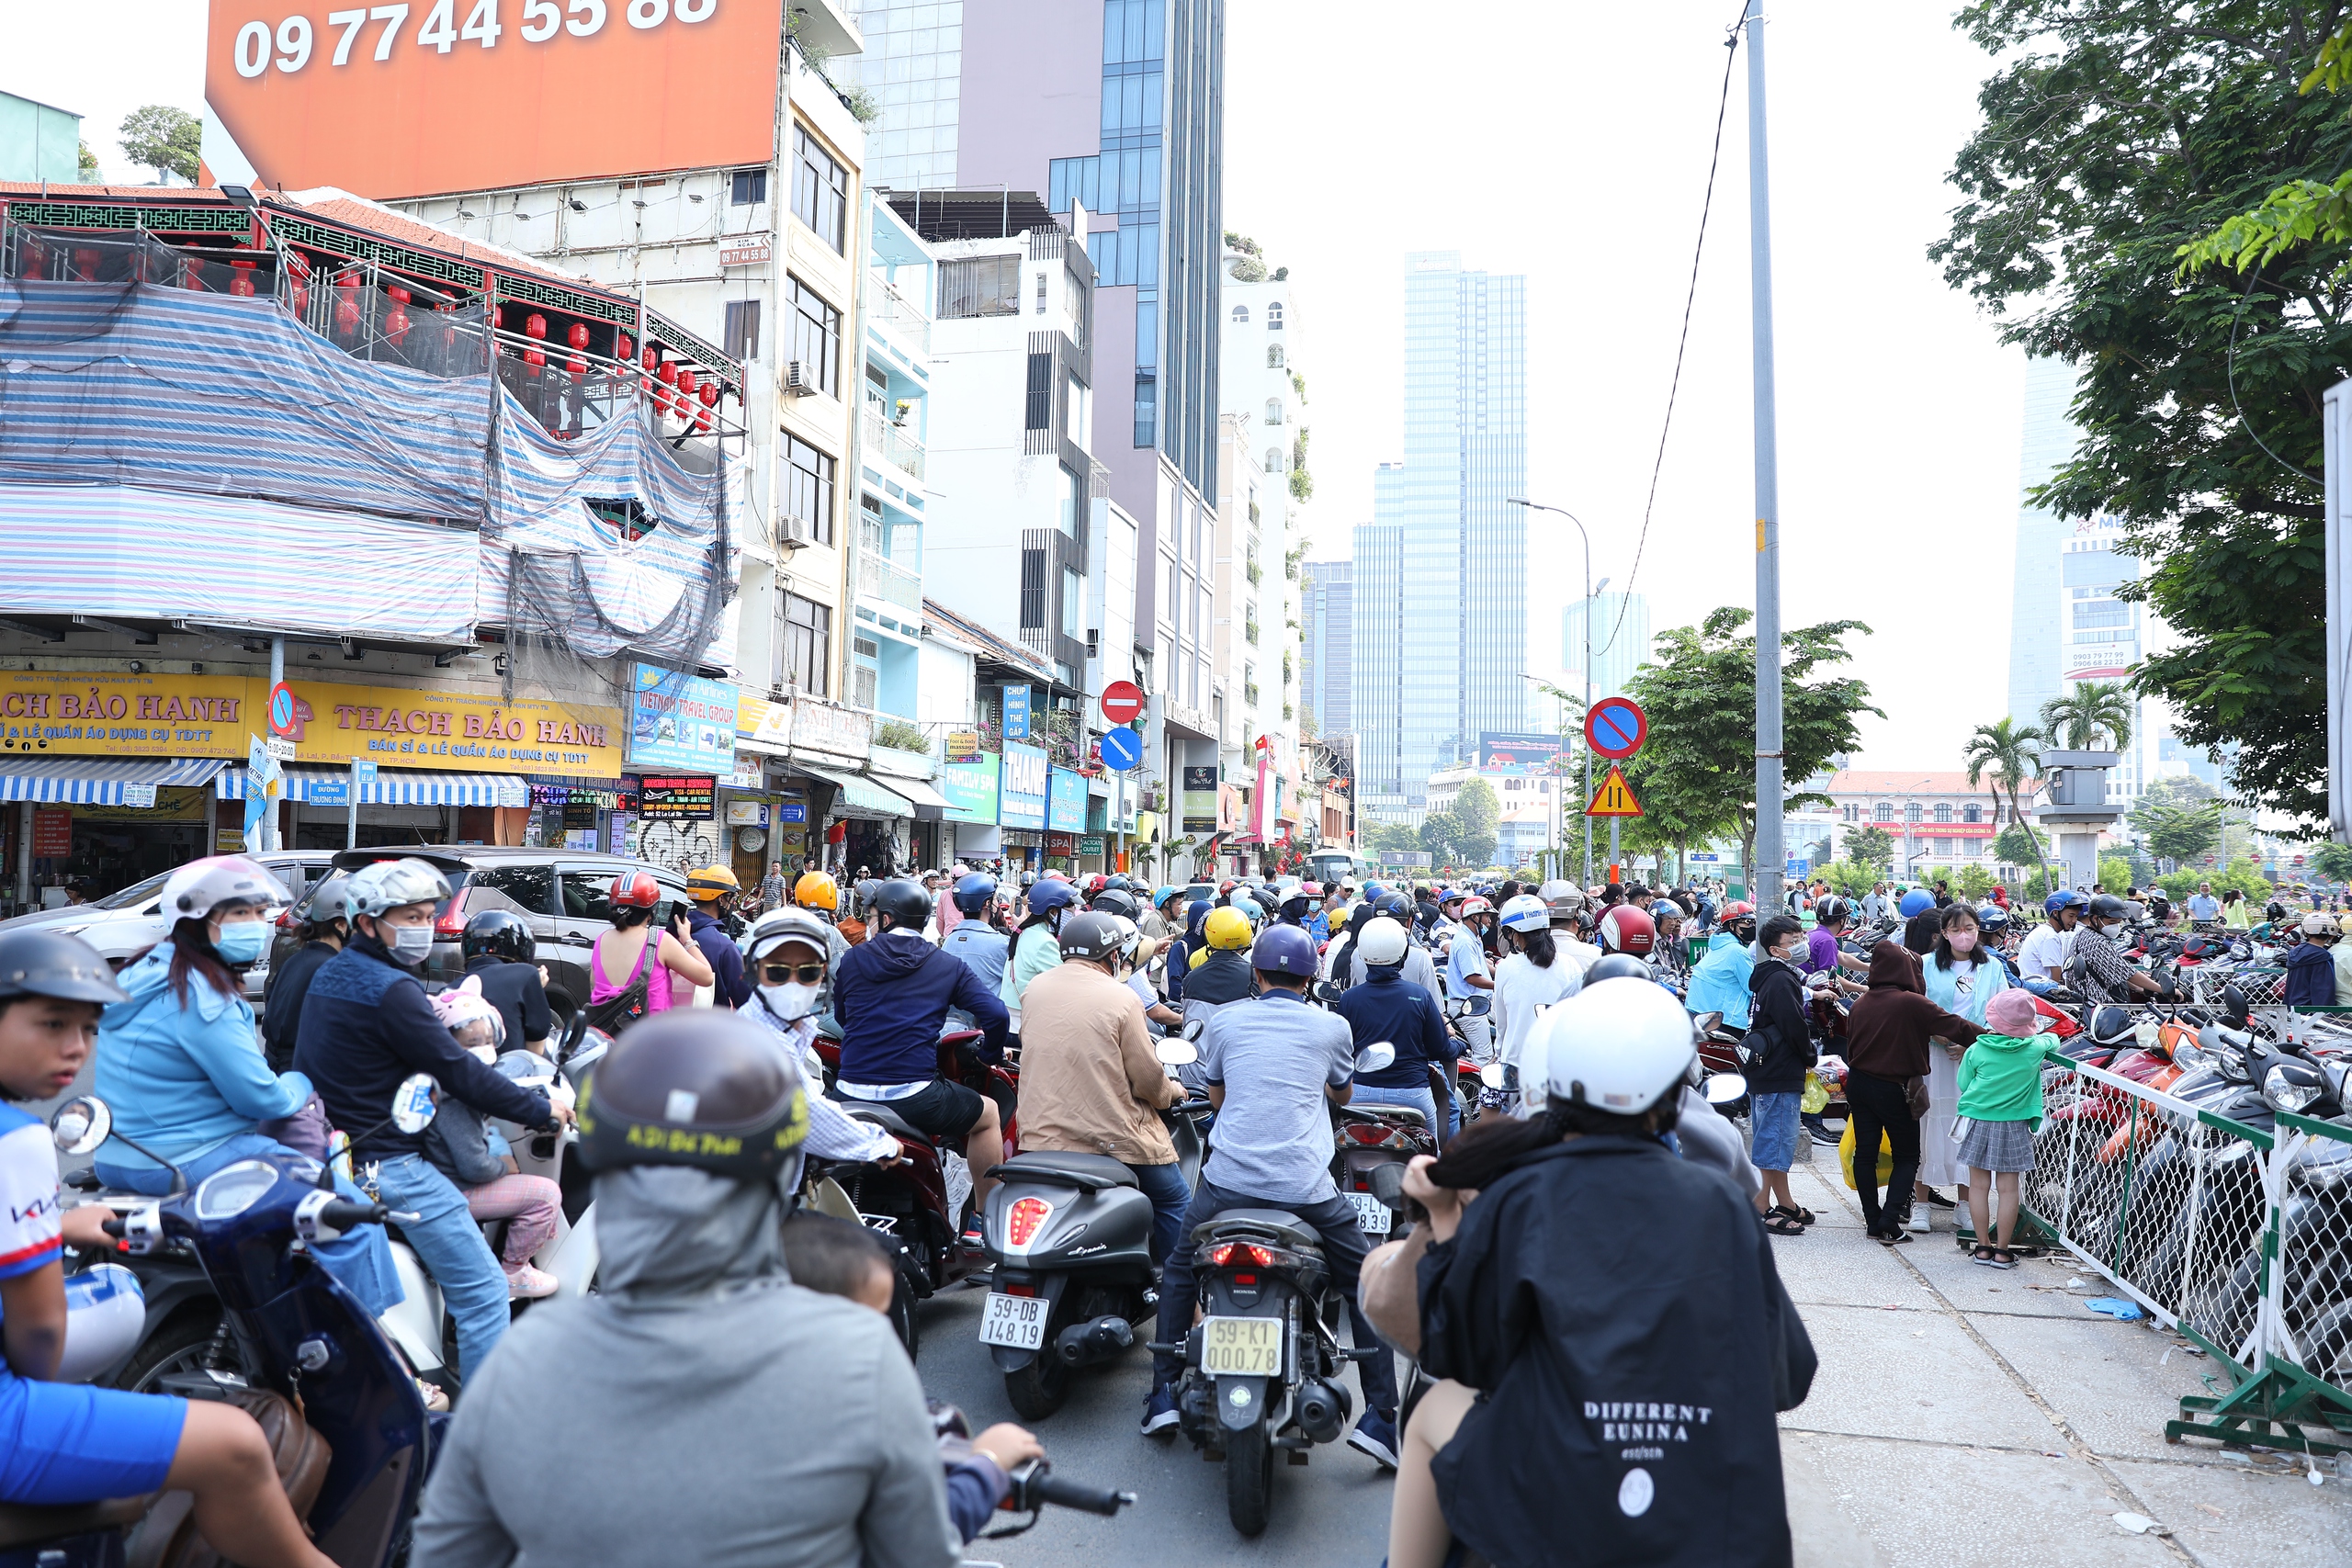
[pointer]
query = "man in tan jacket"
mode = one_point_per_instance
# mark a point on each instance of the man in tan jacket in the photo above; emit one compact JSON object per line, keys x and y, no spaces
{"x":1090,"y":1082}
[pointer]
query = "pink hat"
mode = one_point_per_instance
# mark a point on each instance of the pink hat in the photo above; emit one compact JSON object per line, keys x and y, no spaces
{"x":2012,"y":1012}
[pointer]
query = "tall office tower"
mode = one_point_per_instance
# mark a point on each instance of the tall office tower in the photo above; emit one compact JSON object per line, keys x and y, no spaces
{"x":1326,"y":666}
{"x":1376,"y":651}
{"x":1461,"y":653}
{"x":1116,"y":107}
{"x":1621,"y":640}
{"x":2047,"y":443}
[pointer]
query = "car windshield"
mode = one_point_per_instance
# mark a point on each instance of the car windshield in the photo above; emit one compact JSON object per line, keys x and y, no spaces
{"x":456,"y":875}
{"x":131,"y":896}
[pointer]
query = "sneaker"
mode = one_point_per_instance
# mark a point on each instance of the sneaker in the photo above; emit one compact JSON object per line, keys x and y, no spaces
{"x":1827,"y":1140}
{"x":1160,"y":1410}
{"x":1894,"y":1235}
{"x":1376,"y":1436}
{"x":528,"y":1284}
{"x":1938,"y":1199}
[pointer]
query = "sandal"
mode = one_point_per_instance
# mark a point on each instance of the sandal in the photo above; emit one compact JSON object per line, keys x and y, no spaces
{"x":2004,"y":1259}
{"x":1780,"y":1224}
{"x":1982,"y":1254}
{"x":1803,"y":1216}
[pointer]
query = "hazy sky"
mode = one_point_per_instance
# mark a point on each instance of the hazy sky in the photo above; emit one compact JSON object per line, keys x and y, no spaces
{"x":1569,"y":143}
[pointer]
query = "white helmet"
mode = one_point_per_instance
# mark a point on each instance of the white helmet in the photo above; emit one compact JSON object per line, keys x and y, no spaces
{"x":1382,"y":941}
{"x":1561,"y":896}
{"x":1525,"y":912}
{"x":777,"y":927}
{"x":1617,"y":1046}
{"x":200,"y":886}
{"x":390,"y":884}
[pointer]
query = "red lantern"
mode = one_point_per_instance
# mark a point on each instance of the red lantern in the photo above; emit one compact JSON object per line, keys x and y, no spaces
{"x":622,"y":347}
{"x":298,"y":271}
{"x":85,"y":265}
{"x":535,"y":326}
{"x":578,"y":335}
{"x":668,"y":375}
{"x":37,"y":261}
{"x":241,"y":285}
{"x":709,"y":403}
{"x":498,"y":318}
{"x":347,"y":302}
{"x":396,"y":325}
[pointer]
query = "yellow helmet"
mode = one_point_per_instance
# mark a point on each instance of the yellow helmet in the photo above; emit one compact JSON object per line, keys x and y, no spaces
{"x":710,"y":883}
{"x":815,"y":890}
{"x":1228,"y":929}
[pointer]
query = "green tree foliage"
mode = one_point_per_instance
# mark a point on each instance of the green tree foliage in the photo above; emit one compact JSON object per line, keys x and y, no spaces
{"x":1452,"y":837}
{"x":1872,"y":846}
{"x":2181,"y":832}
{"x":2334,"y":862}
{"x":1849,"y":878}
{"x":2093,"y":712}
{"x":1478,"y":807}
{"x":2006,"y":753}
{"x":2021,"y":844}
{"x":2245,"y":873}
{"x":164,"y":138}
{"x":2115,"y":874}
{"x":88,"y":164}
{"x":1699,"y":695}
{"x":1380,"y":836}
{"x":2114,"y":135}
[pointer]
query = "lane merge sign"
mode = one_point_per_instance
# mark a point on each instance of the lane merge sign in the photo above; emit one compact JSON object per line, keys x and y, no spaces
{"x":1613,"y":798}
{"x":1616,"y":726}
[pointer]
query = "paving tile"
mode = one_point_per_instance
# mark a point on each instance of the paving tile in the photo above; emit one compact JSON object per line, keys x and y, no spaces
{"x":2232,"y":1516}
{"x":1912,"y":1374}
{"x":2116,"y":1383}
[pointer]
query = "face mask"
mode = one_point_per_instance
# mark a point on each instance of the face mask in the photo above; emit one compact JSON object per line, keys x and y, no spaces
{"x":790,"y":1002}
{"x":242,"y":943}
{"x":410,"y":945}
{"x":1961,"y":942}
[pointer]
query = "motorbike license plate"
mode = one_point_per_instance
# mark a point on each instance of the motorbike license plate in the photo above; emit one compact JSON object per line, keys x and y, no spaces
{"x":1015,"y":1322}
{"x":1372,"y":1216}
{"x":1242,"y":1346}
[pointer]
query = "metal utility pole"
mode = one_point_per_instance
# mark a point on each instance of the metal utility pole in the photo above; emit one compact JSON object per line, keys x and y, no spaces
{"x":1764,"y":876}
{"x":1539,"y":506}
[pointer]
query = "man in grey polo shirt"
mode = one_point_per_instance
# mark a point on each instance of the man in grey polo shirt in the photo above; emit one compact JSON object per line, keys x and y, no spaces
{"x":1274,"y":1064}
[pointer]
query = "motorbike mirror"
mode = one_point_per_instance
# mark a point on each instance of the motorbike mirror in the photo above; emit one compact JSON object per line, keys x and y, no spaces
{"x":81,"y":1124}
{"x":574,"y":1034}
{"x":1478,"y":1006}
{"x":1705,"y":1023}
{"x":1491,"y":1074}
{"x":1178,"y":1053}
{"x":413,"y":1107}
{"x":1387,"y":1182}
{"x":1374,"y":1058}
{"x":1193,"y":1029}
{"x":1724,"y":1088}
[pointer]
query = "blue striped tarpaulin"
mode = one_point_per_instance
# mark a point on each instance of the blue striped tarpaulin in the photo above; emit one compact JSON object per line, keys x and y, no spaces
{"x":95,"y":780}
{"x":395,"y":787}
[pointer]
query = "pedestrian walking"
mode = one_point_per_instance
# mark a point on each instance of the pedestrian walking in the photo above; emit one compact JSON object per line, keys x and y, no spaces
{"x":2001,"y":1104}
{"x":1886,"y":1058}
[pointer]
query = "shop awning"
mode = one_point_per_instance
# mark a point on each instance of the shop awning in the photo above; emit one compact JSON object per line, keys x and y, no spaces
{"x":929,"y":804}
{"x":97,"y":780}
{"x":861,"y":794}
{"x":393,"y":787}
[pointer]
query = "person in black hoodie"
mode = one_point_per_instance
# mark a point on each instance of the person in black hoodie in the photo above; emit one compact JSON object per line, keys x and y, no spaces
{"x":326,"y":926}
{"x":1779,"y":1046}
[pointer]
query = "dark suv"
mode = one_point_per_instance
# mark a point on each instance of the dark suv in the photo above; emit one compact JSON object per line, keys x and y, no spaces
{"x":562,"y":893}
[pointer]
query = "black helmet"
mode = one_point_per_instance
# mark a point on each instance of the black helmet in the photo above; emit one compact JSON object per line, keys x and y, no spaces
{"x":40,"y":963}
{"x":904,"y":900}
{"x":2108,"y":906}
{"x":1116,"y":901}
{"x":1395,"y":905}
{"x":500,"y":934}
{"x":1829,"y":911}
{"x":1119,"y":881}
{"x":1091,"y":934}
{"x":1617,"y":967}
{"x":700,"y":1087}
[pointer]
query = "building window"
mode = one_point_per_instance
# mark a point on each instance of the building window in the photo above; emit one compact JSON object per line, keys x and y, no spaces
{"x":1073,"y":504}
{"x":1911,"y":811}
{"x":819,"y":189}
{"x":1275,"y":460}
{"x":1274,"y":317}
{"x":815,"y":336}
{"x":1039,"y":412}
{"x":750,"y":187}
{"x":980,"y":286}
{"x":807,"y":632}
{"x":1273,"y":356}
{"x":1241,"y":315}
{"x":1884,"y":813}
{"x":1032,"y":590}
{"x":740,"y":336}
{"x":1073,"y":605}
{"x":1972,"y":814}
{"x":1943,"y":812}
{"x":808,"y":488}
{"x":1273,"y":410}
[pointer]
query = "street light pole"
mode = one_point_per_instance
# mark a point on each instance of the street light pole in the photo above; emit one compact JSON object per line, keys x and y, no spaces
{"x":1539,"y":506}
{"x":1765,"y":873}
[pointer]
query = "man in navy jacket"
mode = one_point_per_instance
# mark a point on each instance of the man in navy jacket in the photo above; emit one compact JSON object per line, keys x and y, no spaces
{"x":892,"y":994}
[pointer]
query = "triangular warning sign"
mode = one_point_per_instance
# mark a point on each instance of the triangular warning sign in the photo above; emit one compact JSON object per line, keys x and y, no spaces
{"x":1614,"y":797}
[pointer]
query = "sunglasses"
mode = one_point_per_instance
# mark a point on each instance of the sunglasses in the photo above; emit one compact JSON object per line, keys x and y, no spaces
{"x":784,"y":974}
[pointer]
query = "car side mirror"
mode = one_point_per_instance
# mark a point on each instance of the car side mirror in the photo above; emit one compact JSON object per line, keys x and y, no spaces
{"x":1375,"y":1057}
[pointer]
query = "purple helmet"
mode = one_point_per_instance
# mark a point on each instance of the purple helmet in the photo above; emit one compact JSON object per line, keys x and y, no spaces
{"x":1284,"y":950}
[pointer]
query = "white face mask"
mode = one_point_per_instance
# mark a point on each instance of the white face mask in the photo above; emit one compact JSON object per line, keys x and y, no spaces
{"x":410,"y":945}
{"x":790,"y":1002}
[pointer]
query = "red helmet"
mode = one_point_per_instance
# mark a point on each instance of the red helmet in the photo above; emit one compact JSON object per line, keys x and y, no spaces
{"x":636,"y":890}
{"x":1624,"y":929}
{"x":1093,"y":884}
{"x":1734,"y":911}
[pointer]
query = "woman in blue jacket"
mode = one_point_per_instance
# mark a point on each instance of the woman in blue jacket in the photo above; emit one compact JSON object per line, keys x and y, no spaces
{"x":180,"y":1064}
{"x":1720,"y":982}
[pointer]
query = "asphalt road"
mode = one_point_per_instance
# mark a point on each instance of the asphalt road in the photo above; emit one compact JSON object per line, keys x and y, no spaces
{"x":1333,"y":1510}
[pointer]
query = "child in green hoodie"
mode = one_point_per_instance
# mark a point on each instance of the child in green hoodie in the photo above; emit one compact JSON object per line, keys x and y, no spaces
{"x":2001,"y":1104}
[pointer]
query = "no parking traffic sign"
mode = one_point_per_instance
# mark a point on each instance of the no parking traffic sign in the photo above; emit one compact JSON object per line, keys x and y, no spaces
{"x":1615,"y":727}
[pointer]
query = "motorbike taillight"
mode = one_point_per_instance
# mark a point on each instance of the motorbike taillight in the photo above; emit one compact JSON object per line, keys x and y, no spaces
{"x":1024,"y":1219}
{"x":1231,"y":1252}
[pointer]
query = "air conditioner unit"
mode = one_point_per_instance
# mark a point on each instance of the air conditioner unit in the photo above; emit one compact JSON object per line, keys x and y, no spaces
{"x":794,"y":533}
{"x":797,"y":382}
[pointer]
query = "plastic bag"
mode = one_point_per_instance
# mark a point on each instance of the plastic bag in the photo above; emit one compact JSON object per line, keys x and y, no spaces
{"x":1846,"y":1156}
{"x":1816,"y":1098}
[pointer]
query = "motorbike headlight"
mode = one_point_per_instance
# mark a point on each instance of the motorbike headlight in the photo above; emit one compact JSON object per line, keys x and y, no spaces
{"x":231,"y":1190}
{"x":2288,"y":1090}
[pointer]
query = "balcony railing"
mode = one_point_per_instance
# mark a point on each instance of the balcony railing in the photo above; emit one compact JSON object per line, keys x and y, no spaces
{"x":879,"y":577}
{"x":906,"y":315}
{"x":893,"y":445}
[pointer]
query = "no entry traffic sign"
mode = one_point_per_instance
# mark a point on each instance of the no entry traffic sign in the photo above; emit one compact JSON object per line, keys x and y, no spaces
{"x":1616,"y":726}
{"x":1122,"y":700}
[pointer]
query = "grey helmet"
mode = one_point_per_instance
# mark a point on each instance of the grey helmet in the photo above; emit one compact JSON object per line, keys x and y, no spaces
{"x":385,"y":884}
{"x":200,"y":886}
{"x":40,"y":963}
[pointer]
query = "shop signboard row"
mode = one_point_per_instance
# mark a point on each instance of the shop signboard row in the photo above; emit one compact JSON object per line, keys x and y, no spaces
{"x":683,"y":722}
{"x":1016,"y":788}
{"x":123,"y":713}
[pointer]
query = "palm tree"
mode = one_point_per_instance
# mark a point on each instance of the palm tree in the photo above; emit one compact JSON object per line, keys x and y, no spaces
{"x":2092,"y":708}
{"x":2008,"y":750}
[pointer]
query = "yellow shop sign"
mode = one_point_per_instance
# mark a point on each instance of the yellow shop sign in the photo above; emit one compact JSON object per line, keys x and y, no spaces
{"x":123,"y":714}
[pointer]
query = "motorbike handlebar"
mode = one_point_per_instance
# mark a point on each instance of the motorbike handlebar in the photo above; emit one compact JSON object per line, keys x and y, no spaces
{"x":1033,"y":1486}
{"x":114,"y":1227}
{"x":343,"y":1214}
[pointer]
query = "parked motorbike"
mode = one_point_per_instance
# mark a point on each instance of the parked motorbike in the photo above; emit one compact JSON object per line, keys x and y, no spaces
{"x":1367,"y":1139}
{"x":295,"y":1350}
{"x":1071,"y":1238}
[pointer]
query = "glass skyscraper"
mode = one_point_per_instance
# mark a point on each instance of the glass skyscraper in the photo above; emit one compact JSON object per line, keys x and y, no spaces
{"x":1326,"y":668}
{"x":1444,"y":559}
{"x":1621,"y":640}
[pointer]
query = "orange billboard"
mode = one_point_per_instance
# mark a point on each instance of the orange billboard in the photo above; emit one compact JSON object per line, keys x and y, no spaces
{"x":434,"y":97}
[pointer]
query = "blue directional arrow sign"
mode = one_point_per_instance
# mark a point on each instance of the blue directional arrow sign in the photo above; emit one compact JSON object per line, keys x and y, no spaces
{"x":1122,"y":749}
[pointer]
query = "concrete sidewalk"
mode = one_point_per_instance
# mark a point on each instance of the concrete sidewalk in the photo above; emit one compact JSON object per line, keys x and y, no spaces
{"x":1966,"y":1415}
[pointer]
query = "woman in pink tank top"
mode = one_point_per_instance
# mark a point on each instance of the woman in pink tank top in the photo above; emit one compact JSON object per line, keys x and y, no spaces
{"x":636,"y":946}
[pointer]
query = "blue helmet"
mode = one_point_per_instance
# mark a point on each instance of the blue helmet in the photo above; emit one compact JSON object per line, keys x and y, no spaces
{"x":1918,"y":901}
{"x":973,"y":893}
{"x":1992,"y":916}
{"x":1051,"y":894}
{"x":1283,"y":950}
{"x":1375,"y":889}
{"x":2065,"y":898}
{"x":1161,"y":896}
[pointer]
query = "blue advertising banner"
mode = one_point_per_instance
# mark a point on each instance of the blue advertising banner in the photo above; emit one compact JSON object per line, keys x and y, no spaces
{"x":1016,"y":713}
{"x":681,"y":722}
{"x":1022,"y":786}
{"x":970,"y":789}
{"x":1066,"y":806}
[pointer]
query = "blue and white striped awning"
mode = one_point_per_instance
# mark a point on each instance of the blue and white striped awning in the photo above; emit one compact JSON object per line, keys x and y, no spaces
{"x":95,"y":780}
{"x":393,"y":787}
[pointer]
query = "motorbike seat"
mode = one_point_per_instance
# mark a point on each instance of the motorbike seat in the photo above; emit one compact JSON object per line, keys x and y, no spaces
{"x":1096,"y":1170}
{"x":1408,"y":1114}
{"x":1242,"y":1223}
{"x":881,"y":1115}
{"x":29,"y":1524}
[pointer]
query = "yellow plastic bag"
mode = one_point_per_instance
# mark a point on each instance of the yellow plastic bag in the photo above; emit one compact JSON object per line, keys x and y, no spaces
{"x":1846,"y":1156}
{"x":1816,"y":1098}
